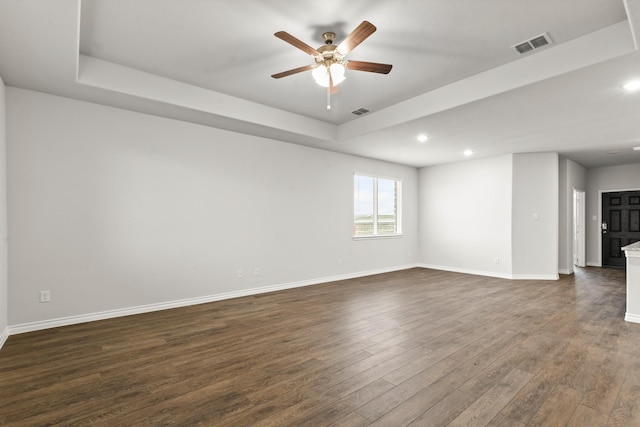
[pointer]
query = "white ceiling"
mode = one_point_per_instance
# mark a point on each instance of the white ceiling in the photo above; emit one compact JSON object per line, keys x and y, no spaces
{"x":455,"y":75}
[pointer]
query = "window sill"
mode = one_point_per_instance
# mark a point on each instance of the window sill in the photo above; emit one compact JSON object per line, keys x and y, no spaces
{"x":378,"y":236}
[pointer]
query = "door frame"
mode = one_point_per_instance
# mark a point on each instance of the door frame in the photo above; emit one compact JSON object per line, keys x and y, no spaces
{"x":579,"y":250}
{"x":600,"y":193}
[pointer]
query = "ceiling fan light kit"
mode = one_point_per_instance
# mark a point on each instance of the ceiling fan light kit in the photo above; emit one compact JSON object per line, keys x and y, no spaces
{"x":325,"y":74}
{"x":330,"y":63}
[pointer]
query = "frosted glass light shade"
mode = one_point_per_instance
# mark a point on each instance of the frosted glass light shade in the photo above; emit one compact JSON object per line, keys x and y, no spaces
{"x":321,"y":74}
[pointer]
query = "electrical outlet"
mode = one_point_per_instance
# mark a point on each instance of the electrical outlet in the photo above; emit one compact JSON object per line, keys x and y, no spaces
{"x":496,"y":260}
{"x":45,"y":296}
{"x":339,"y":261}
{"x":240,"y":274}
{"x":256,"y":271}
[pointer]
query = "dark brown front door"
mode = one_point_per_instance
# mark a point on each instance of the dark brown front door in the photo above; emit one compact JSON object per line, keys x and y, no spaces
{"x":620,"y":225}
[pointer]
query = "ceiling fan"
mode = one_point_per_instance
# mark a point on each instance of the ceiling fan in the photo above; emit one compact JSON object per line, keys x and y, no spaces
{"x":330,"y":63}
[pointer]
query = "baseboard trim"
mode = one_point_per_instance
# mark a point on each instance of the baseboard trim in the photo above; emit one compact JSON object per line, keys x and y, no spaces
{"x":536,"y":276}
{"x":569,"y":271}
{"x":148,"y":308}
{"x":3,"y":336}
{"x":634,"y":318}
{"x":467,"y":271}
{"x":594,"y":264}
{"x":492,"y":273}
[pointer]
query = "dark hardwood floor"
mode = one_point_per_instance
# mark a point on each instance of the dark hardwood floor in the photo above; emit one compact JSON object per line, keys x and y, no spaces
{"x":417,"y":347}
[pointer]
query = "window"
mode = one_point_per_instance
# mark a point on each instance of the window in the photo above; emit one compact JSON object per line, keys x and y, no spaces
{"x":376,"y":206}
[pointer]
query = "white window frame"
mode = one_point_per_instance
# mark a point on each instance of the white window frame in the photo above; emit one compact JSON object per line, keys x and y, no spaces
{"x":375,"y":234}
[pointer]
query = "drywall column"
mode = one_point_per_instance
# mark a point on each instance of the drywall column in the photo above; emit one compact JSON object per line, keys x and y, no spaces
{"x":535,"y":216}
{"x":633,"y":282}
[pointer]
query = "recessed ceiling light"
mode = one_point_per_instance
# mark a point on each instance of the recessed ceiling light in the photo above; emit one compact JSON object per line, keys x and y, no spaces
{"x":632,"y":85}
{"x":468,"y":152}
{"x":422,"y":137}
{"x":636,"y":148}
{"x":613,"y":152}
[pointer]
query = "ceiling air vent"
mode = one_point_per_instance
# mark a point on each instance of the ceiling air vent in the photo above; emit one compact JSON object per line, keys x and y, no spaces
{"x":360,"y":111}
{"x":532,"y":44}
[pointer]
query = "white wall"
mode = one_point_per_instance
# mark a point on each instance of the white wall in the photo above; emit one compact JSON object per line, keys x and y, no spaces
{"x":465,"y":216}
{"x":4,"y":296}
{"x":478,"y":216}
{"x":612,"y":178}
{"x":111,"y":209}
{"x":573,"y":176}
{"x":535,"y":215}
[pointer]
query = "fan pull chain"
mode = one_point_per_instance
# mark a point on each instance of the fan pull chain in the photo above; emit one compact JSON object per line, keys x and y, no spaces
{"x":328,"y":98}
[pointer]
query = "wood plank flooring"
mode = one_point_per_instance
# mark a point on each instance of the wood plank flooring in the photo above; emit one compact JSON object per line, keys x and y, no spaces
{"x":412,"y":348}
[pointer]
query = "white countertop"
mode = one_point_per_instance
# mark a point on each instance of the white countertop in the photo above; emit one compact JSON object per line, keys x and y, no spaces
{"x":632,"y":247}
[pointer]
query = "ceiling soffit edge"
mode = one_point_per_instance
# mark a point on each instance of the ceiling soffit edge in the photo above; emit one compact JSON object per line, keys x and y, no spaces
{"x":599,"y":46}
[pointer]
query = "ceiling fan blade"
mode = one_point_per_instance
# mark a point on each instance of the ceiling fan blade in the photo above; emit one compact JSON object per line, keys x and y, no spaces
{"x":372,"y":67}
{"x":292,"y":71}
{"x":283,"y":35}
{"x":357,"y":36}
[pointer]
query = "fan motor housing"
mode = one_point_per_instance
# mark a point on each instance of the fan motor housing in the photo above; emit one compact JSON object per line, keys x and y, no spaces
{"x":328,"y":37}
{"x":328,"y":51}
